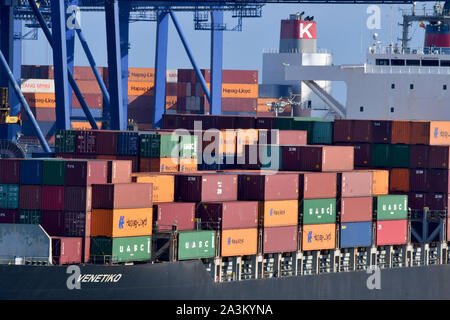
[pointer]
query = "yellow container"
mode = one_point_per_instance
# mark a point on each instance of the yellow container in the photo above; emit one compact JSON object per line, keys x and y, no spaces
{"x":319,"y":237}
{"x":121,"y":222}
{"x":239,"y":242}
{"x":278,"y":213}
{"x":187,"y":165}
{"x":140,"y":88}
{"x":380,"y":181}
{"x":163,"y":185}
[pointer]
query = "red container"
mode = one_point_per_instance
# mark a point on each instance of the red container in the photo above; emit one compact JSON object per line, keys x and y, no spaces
{"x":66,"y":224}
{"x":418,"y":180}
{"x":134,"y":162}
{"x":280,"y":239}
{"x":93,"y":100}
{"x":290,"y":137}
{"x":419,"y":156}
{"x":268,"y":187}
{"x":239,"y":104}
{"x":355,"y":184}
{"x":119,"y":171}
{"x":87,"y":172}
{"x":206,"y":187}
{"x":167,"y":214}
{"x":399,"y":180}
{"x":9,"y":171}
{"x":239,"y":76}
{"x":53,"y":198}
{"x":228,"y":215}
{"x":437,"y":201}
{"x":392,"y":232}
{"x":355,"y":209}
{"x":122,"y":196}
{"x":106,"y":142}
{"x":318,"y":158}
{"x":66,"y":250}
{"x":342,"y":130}
{"x":77,"y":198}
{"x":9,"y":216}
{"x":439,"y":157}
{"x":439,"y":180}
{"x":30,"y":197}
{"x":362,"y":131}
{"x":416,"y":200}
{"x":381,"y":131}
{"x":317,"y":185}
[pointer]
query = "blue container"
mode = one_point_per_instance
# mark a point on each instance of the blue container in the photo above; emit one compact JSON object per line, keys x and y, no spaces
{"x":128,"y":143}
{"x":31,"y":172}
{"x":48,"y":128}
{"x":356,"y":234}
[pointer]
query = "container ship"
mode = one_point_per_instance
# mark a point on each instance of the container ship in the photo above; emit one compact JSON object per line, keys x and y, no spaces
{"x":320,"y":201}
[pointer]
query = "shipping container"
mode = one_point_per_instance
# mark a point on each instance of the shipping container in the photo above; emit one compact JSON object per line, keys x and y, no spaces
{"x":392,"y":232}
{"x":179,"y":214}
{"x":239,"y":242}
{"x":438,"y":133}
{"x":46,"y":100}
{"x":159,"y":164}
{"x":119,"y":171}
{"x":420,"y":131}
{"x":419,"y":156}
{"x":343,"y":129}
{"x":10,"y":171}
{"x":77,"y":198}
{"x":245,"y":137}
{"x":188,"y":165}
{"x":66,"y":250}
{"x":37,"y":86}
{"x":380,"y":181}
{"x":268,"y":187}
{"x":122,"y":222}
{"x":439,"y":180}
{"x":31,"y":172}
{"x":141,"y":88}
{"x":399,"y":180}
{"x":53,"y":172}
{"x":318,"y":211}
{"x":122,"y":249}
{"x":9,"y":196}
{"x":318,"y":131}
{"x":280,"y":239}
{"x":196,"y":244}
{"x":437,"y":201}
{"x":319,"y":237}
{"x":159,"y":145}
{"x":30,"y":197}
{"x":264,"y":122}
{"x":278,"y":213}
{"x":363,"y":155}
{"x":128,"y":143}
{"x":188,"y":146}
{"x":206,"y":187}
{"x":391,"y":207}
{"x":9,"y":216}
{"x":416,"y":200}
{"x":66,"y":223}
{"x":356,"y":234}
{"x":439,"y":157}
{"x":85,"y":172}
{"x":401,"y":132}
{"x":356,"y":209}
{"x":399,"y":156}
{"x":52,"y":197}
{"x":228,"y":215}
{"x":418,"y":180}
{"x":134,"y":162}
{"x":381,"y":131}
{"x":30,"y":216}
{"x":355,"y":183}
{"x":362,"y":131}
{"x":163,"y":186}
{"x":122,"y":196}
{"x":283,"y":123}
{"x":317,"y":185}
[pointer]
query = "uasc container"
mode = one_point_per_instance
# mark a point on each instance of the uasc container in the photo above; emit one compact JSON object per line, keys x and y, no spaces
{"x":391,"y":207}
{"x":124,"y":249}
{"x":196,"y":244}
{"x":318,"y":211}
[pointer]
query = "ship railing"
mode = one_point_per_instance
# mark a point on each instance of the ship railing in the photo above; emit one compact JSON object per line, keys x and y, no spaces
{"x":395,"y":49}
{"x":405,"y":70}
{"x":103,"y":259}
{"x":25,"y":260}
{"x":274,"y":50}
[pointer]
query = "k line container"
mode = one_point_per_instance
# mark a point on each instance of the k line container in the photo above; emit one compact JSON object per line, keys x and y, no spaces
{"x":196,"y":244}
{"x":399,"y":180}
{"x":392,"y":232}
{"x":315,"y":185}
{"x":123,"y":249}
{"x":228,"y":215}
{"x":318,"y":211}
{"x":122,"y":196}
{"x":280,"y":239}
{"x":319,"y":237}
{"x":355,"y":183}
{"x":268,"y":187}
{"x":239,"y":242}
{"x":122,"y":222}
{"x":67,"y":224}
{"x":206,"y":187}
{"x":355,"y":209}
{"x":278,"y":213}
{"x":85,"y":172}
{"x":77,"y":198}
{"x":391,"y":207}
{"x":163,"y":186}
{"x":356,"y":234}
{"x":66,"y":250}
{"x":180,"y":214}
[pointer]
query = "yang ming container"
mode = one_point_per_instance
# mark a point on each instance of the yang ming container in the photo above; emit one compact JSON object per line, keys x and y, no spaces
{"x":319,"y":237}
{"x":280,"y":239}
{"x":268,"y":187}
{"x":355,"y":209}
{"x":66,"y":224}
{"x":122,"y":222}
{"x":355,"y":183}
{"x":206,"y":187}
{"x":239,"y":242}
{"x":356,"y":234}
{"x":318,"y":158}
{"x":318,"y":211}
{"x":66,"y":250}
{"x":125,"y":249}
{"x":122,"y":196}
{"x":392,"y":232}
{"x":317,"y":185}
{"x":196,"y":244}
{"x":228,"y":215}
{"x":391,"y":207}
{"x":181,"y":214}
{"x":278,"y":213}
{"x":86,"y":172}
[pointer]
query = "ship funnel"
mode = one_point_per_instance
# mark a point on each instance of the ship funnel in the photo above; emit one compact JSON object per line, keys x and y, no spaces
{"x":298,"y":35}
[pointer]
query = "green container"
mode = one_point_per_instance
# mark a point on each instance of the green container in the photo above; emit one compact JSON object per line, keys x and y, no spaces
{"x":399,"y":156}
{"x":196,"y":245}
{"x":53,"y":172}
{"x":283,"y":123}
{"x":65,"y":141}
{"x":124,"y":249}
{"x":319,"y":211}
{"x":9,"y":196}
{"x":380,"y":156}
{"x":149,"y":145}
{"x":391,"y":207}
{"x":271,"y":156}
{"x":159,"y":146}
{"x":318,"y":130}
{"x":30,"y":216}
{"x":188,"y":146}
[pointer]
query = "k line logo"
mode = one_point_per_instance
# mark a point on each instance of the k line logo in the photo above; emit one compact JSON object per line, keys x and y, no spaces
{"x":307,"y":30}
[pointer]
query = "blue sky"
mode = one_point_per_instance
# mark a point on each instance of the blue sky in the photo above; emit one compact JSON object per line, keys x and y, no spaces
{"x":340,"y":28}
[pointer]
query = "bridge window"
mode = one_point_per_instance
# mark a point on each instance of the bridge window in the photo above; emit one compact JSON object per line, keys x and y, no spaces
{"x":382,"y":62}
{"x":393,"y":86}
{"x":361,"y":109}
{"x":444,"y":87}
{"x":397,"y":62}
{"x":413,"y":62}
{"x":411,"y":86}
{"x":445,"y":63}
{"x":392,"y":109}
{"x":430,"y":63}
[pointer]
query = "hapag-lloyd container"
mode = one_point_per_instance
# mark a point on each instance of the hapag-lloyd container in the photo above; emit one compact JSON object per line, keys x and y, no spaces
{"x":77,"y":198}
{"x":31,"y":172}
{"x":391,"y":207}
{"x":268,"y":187}
{"x":319,"y":237}
{"x":318,"y":211}
{"x":196,"y":244}
{"x":180,"y":214}
{"x":280,"y":239}
{"x":10,"y":171}
{"x":239,"y":242}
{"x":355,"y":209}
{"x":399,"y":180}
{"x":30,"y":197}
{"x":206,"y":187}
{"x":278,"y":213}
{"x":119,"y":171}
{"x":418,"y":180}
{"x":86,"y":172}
{"x":66,"y":224}
{"x":9,"y":216}
{"x":162,"y":164}
{"x":392,"y":232}
{"x":122,"y":196}
{"x":53,"y":198}
{"x":439,"y":180}
{"x":163,"y":185}
{"x":419,"y":156}
{"x":66,"y":250}
{"x":355,"y":234}
{"x":9,"y":196}
{"x":439,"y":157}
{"x":355,"y":183}
{"x":122,"y":222}
{"x":124,"y":249}
{"x":228,"y":215}
{"x":188,"y":165}
{"x":317,"y":185}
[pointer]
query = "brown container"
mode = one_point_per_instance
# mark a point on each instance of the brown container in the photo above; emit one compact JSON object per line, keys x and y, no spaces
{"x":439,"y":180}
{"x":416,"y":200}
{"x":206,"y":187}
{"x":77,"y":198}
{"x":122,"y":196}
{"x":437,"y":201}
{"x":85,"y":172}
{"x":362,"y":131}
{"x":238,"y":104}
{"x":106,"y":142}
{"x":343,"y":130}
{"x":66,"y":250}
{"x":268,"y":187}
{"x":66,"y":223}
{"x":228,"y":215}
{"x":280,"y":239}
{"x":419,"y":156}
{"x":158,"y":165}
{"x":85,"y":73}
{"x":318,"y":158}
{"x":418,"y":180}
{"x":9,"y":171}
{"x":238,"y":76}
{"x":30,"y":197}
{"x":355,"y":184}
{"x":439,"y":157}
{"x":399,"y":180}
{"x":357,"y":209}
{"x":381,"y":131}
{"x":168,"y":214}
{"x":401,"y":132}
{"x":420,"y":132}
{"x":119,"y":171}
{"x":94,"y":101}
{"x":317,"y":185}
{"x":363,"y":154}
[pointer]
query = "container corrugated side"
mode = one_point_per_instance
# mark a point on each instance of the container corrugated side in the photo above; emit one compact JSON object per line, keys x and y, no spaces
{"x":163,"y":186}
{"x":196,"y":244}
{"x":239,"y":242}
{"x":123,"y":249}
{"x":392,"y":232}
{"x":356,"y":234}
{"x":122,"y":222}
{"x":278,"y":213}
{"x":318,"y":211}
{"x":391,"y":207}
{"x":319,"y":237}
{"x":280,"y":239}
{"x":9,"y":196}
{"x":122,"y":196}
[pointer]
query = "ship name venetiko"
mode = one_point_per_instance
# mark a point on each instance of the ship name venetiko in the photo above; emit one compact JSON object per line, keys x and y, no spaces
{"x":76,"y":277}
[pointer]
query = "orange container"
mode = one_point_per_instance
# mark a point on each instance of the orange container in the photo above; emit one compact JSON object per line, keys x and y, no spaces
{"x":278,"y":213}
{"x":239,"y":242}
{"x":79,"y":125}
{"x":171,"y":102}
{"x":399,"y":180}
{"x":163,"y":185}
{"x":227,"y":143}
{"x":39,"y":100}
{"x":245,"y":137}
{"x":420,"y":132}
{"x":89,"y":86}
{"x":164,"y":164}
{"x":122,"y":222}
{"x":187,"y":165}
{"x":401,"y":131}
{"x":141,"y":74}
{"x":262,"y":104}
{"x":319,"y":237}
{"x":380,"y":181}
{"x":140,"y":88}
{"x":238,"y":90}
